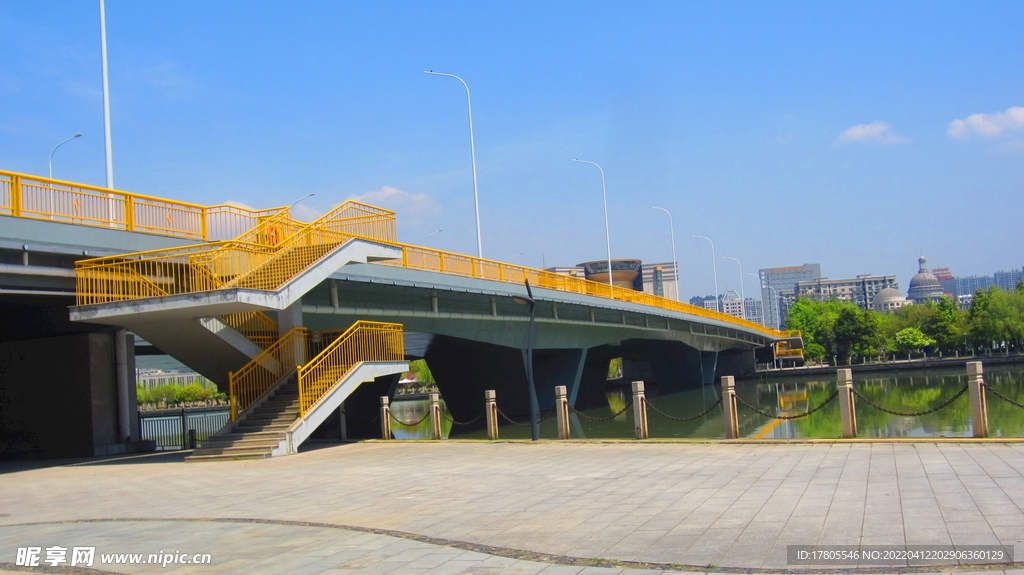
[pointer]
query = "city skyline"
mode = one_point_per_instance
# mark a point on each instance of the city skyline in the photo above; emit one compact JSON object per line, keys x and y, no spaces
{"x":787,"y":134}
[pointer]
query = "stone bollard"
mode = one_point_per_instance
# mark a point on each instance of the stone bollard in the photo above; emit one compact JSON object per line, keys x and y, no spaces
{"x":979,"y":405}
{"x":562,"y":411}
{"x":732,"y":422}
{"x":640,"y":410}
{"x":435,"y":417}
{"x":385,"y":417}
{"x":491,"y":413}
{"x":846,"y":405}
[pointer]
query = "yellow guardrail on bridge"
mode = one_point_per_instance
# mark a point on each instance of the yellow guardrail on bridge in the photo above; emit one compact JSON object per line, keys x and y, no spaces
{"x":414,"y":257}
{"x":265,"y":257}
{"x":35,"y":197}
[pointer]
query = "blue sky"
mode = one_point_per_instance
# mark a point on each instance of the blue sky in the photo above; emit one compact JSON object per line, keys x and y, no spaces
{"x":855,"y":135}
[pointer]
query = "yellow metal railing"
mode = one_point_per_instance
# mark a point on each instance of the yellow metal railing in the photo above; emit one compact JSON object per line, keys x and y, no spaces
{"x":266,"y":258}
{"x":257,"y":326}
{"x":364,"y":341}
{"x":256,"y":378}
{"x":26,"y":196}
{"x":434,"y":260}
{"x":789,"y":353}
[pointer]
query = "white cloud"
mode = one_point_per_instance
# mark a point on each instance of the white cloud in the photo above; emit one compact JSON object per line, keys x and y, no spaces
{"x":877,"y":132}
{"x":405,"y":204}
{"x":990,"y":125}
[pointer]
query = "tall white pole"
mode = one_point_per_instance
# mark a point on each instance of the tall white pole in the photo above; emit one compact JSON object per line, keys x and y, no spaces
{"x":743,"y":295}
{"x":607,"y":234}
{"x":675,"y":262}
{"x":714,"y":268}
{"x":106,"y":97}
{"x":472,"y":154}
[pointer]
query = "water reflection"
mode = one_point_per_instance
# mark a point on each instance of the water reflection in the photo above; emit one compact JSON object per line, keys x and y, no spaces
{"x":415,"y":423}
{"x":906,"y":391}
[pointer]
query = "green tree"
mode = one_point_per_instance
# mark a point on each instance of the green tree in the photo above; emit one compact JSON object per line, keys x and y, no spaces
{"x":911,"y":338}
{"x":422,"y":371}
{"x":946,"y":325}
{"x":190,"y":392}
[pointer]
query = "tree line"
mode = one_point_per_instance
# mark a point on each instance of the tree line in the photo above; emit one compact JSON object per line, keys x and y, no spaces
{"x":842,"y":331}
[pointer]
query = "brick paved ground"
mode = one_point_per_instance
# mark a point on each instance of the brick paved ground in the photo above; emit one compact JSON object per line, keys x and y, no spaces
{"x":730,"y":505}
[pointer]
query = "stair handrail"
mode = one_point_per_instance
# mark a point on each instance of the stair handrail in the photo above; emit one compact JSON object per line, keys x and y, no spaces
{"x":256,"y":326}
{"x":364,"y":341}
{"x":248,"y":385}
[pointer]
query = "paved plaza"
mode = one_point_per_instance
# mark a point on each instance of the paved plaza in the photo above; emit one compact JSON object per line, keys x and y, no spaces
{"x":517,"y":507}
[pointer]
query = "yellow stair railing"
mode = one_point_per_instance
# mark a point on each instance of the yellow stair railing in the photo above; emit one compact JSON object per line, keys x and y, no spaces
{"x":364,"y":341}
{"x":414,"y":257}
{"x":25,"y":196}
{"x":249,"y":384}
{"x":257,"y":326}
{"x":256,"y":264}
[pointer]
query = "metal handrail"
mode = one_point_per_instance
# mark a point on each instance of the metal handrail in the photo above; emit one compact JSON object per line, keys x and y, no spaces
{"x":364,"y":341}
{"x":414,"y":257}
{"x":35,"y":197}
{"x":249,"y":384}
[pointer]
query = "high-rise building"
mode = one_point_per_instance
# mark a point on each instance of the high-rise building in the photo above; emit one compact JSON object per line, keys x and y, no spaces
{"x":1007,"y":281}
{"x":860,"y":290}
{"x":971,"y":284}
{"x":782,"y":279}
{"x":707,"y":302}
{"x":668,"y":279}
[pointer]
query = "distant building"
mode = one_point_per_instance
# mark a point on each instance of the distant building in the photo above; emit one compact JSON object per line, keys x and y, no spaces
{"x":971,"y":284}
{"x":707,"y":302}
{"x":924,"y":286}
{"x":782,"y":279}
{"x":668,"y":279}
{"x":860,"y":290}
{"x":946,"y":280}
{"x":732,"y":304}
{"x":1007,"y":281}
{"x":566,"y":270}
{"x":889,"y":300}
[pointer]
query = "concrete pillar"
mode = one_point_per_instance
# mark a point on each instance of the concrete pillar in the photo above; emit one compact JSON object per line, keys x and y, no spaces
{"x":562,"y":411}
{"x":732,"y":427}
{"x":124,"y":410}
{"x":333,"y":286}
{"x":708,"y":365}
{"x":342,"y":423}
{"x":435,"y":417}
{"x":287,"y":319}
{"x":847,"y":411}
{"x":491,"y":412}
{"x":385,"y":417}
{"x":979,"y":404}
{"x":640,"y":410}
{"x":433,"y":301}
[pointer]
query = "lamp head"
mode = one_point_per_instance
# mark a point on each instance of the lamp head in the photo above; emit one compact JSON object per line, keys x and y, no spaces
{"x":78,"y":135}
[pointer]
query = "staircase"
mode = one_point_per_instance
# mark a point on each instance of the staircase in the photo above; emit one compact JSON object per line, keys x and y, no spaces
{"x":257,"y":434}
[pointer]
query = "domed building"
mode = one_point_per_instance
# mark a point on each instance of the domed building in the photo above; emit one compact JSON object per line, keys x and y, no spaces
{"x":924,"y":286}
{"x":889,"y":300}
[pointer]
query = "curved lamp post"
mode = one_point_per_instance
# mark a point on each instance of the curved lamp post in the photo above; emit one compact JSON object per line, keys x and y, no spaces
{"x":607,"y":236}
{"x":534,"y":404}
{"x":743,"y":296}
{"x":472,"y":155}
{"x":78,"y":135}
{"x":714,"y":268}
{"x":672,"y":232}
{"x":430,"y":234}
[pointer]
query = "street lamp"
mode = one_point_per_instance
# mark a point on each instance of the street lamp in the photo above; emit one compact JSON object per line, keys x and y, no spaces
{"x":714,"y":268}
{"x":472,"y":154}
{"x":309,"y":195}
{"x":607,"y":235}
{"x":106,"y":101}
{"x":430,"y":234}
{"x":672,"y":232}
{"x":534,"y":404}
{"x":516,"y":256}
{"x":78,"y":135}
{"x":743,"y":296}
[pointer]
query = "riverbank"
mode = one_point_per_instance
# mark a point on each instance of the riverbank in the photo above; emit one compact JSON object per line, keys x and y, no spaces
{"x":899,"y":365}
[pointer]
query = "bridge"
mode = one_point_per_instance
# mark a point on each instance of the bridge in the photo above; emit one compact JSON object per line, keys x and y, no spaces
{"x":297,"y":320}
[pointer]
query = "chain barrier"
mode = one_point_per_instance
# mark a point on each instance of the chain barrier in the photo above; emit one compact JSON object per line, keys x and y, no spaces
{"x":1003,"y":397}
{"x":527,"y":424}
{"x":449,"y":418}
{"x":787,"y":417}
{"x":609,"y":418}
{"x":400,"y":422}
{"x":698,"y":416}
{"x":920,"y":413}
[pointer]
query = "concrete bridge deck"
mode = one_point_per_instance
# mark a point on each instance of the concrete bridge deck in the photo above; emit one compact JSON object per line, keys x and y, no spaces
{"x":508,"y":507}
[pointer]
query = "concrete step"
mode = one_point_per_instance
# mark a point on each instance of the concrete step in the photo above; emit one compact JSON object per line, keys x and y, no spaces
{"x":283,"y":426}
{"x":206,"y":458}
{"x":231,"y":451}
{"x":273,"y":414}
{"x":275,"y":409}
{"x":242,"y":441}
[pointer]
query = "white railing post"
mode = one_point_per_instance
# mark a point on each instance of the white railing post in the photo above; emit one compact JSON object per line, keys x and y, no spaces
{"x":491,"y":411}
{"x":640,"y":410}
{"x":385,"y":417}
{"x":979,"y":405}
{"x":562,"y":411}
{"x":846,"y":403}
{"x":435,"y":417}
{"x":732,"y":427}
